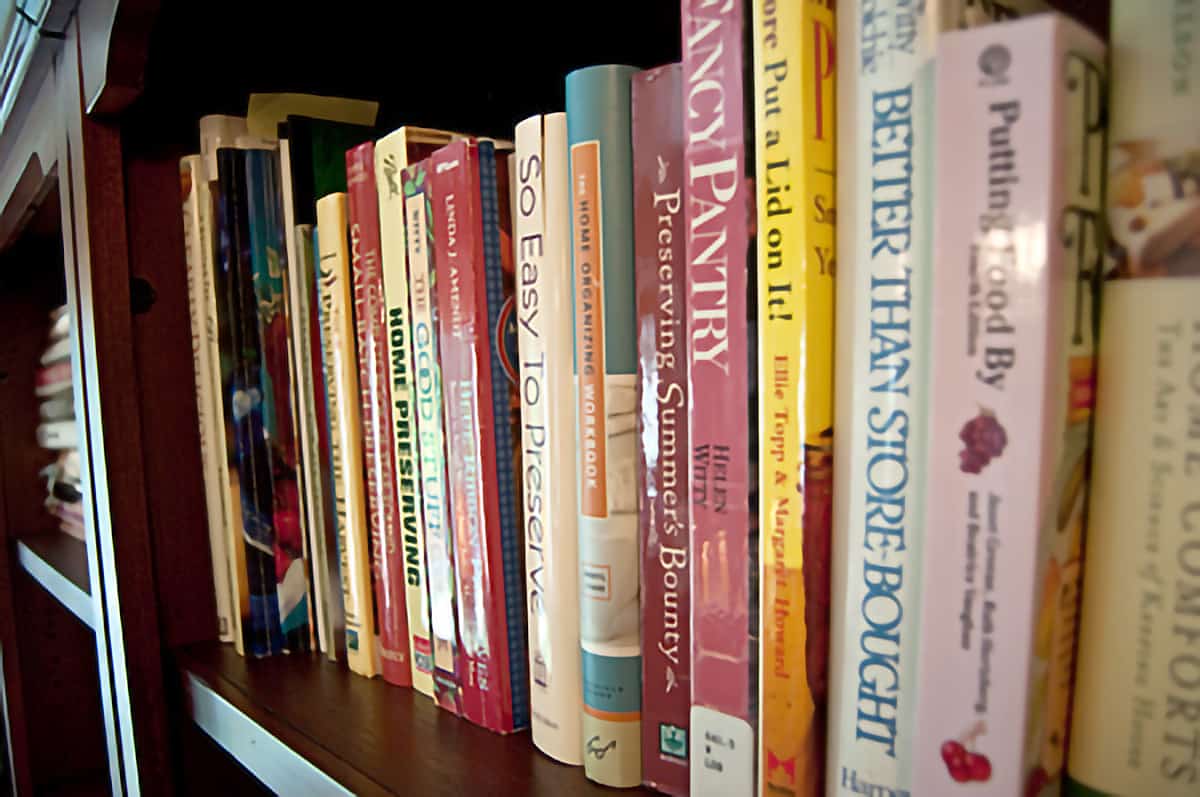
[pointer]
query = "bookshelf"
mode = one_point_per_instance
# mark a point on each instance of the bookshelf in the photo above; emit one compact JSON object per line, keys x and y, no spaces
{"x":111,"y":643}
{"x":59,"y":564}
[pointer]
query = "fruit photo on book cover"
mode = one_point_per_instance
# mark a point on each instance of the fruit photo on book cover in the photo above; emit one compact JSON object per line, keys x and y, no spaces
{"x":983,"y":439}
{"x":965,"y":764}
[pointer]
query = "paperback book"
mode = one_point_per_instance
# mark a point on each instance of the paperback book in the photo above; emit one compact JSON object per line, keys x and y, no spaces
{"x":1135,"y":713}
{"x":1017,"y":254}
{"x":542,"y":228}
{"x":722,"y":419}
{"x":601,"y":149}
{"x":662,"y":384}
{"x":795,"y":120}
{"x":478,"y":336}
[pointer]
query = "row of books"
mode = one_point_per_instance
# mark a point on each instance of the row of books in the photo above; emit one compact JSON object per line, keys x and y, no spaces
{"x":57,"y":431}
{"x":546,"y":429}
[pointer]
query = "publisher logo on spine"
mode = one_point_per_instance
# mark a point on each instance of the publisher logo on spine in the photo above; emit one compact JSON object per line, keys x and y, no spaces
{"x":994,"y":62}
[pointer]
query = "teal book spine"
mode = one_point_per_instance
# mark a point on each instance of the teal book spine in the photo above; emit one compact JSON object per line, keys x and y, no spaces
{"x":601,"y":163}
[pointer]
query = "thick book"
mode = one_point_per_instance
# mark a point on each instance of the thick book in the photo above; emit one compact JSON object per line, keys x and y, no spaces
{"x":662,"y":401}
{"x":345,"y":433}
{"x":201,"y":313}
{"x":394,"y":153}
{"x":268,"y":263}
{"x":1136,"y":709}
{"x":885,"y":158}
{"x":794,"y":177}
{"x":478,"y":337}
{"x":722,"y":422}
{"x":51,"y":380}
{"x":431,"y":439}
{"x":1020,"y":128}
{"x":599,"y":135}
{"x":241,"y":345}
{"x":58,"y":435}
{"x":542,"y":236}
{"x":384,"y":514}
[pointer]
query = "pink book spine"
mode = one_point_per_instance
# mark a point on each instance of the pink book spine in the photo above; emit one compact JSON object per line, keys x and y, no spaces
{"x":721,"y":367}
{"x":387,"y":554}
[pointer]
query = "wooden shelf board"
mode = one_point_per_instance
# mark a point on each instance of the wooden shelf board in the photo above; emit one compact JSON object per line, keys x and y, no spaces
{"x":300,"y":722}
{"x":59,"y":563}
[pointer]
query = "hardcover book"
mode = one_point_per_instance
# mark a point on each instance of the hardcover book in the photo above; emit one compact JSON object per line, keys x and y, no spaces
{"x":384,"y":513}
{"x":1136,"y":709}
{"x":345,"y":434}
{"x":794,"y":154}
{"x":662,"y":385}
{"x":205,"y":362}
{"x":268,"y":261}
{"x":885,"y":200}
{"x":1021,"y":122}
{"x":478,"y":337}
{"x":599,"y":135}
{"x":542,"y":227}
{"x":393,"y":153}
{"x":722,"y":425}
{"x":240,"y":342}
{"x":439,"y":533}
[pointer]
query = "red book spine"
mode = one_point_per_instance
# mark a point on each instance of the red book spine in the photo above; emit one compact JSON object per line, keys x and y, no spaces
{"x":658,"y":199}
{"x":718,"y":157}
{"x":370,"y":314}
{"x":457,"y":252}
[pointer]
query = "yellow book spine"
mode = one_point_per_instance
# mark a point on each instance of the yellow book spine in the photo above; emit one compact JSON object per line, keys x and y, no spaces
{"x":345,"y":433}
{"x":794,"y":141}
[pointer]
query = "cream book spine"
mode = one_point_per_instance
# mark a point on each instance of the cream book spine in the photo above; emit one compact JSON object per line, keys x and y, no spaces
{"x":345,"y":433}
{"x":202,"y":314}
{"x":391,"y":156}
{"x":544,"y":338}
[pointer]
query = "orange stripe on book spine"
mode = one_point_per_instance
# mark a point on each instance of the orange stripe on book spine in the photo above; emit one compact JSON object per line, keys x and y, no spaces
{"x":612,"y":716}
{"x":589,"y":326}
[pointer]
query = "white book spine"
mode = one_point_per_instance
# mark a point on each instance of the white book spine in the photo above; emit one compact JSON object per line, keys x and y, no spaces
{"x":201,"y":290}
{"x":1020,"y":128}
{"x":542,"y":231}
{"x":885,"y":159}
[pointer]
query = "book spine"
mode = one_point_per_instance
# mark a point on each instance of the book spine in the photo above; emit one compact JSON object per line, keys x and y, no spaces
{"x":885,"y":160}
{"x":501,"y":454}
{"x":722,"y":432}
{"x":1136,"y":710}
{"x":794,"y":139}
{"x":330,"y":577}
{"x":599,"y":136}
{"x":267,"y":257}
{"x":439,"y":533}
{"x":1010,"y":389}
{"x":345,"y":433}
{"x":298,"y":310}
{"x":455,"y":230}
{"x":216,"y":487}
{"x":383,"y":511}
{"x":390,"y":158}
{"x":542,"y":227}
{"x":658,"y":197}
{"x":261,"y":630}
{"x":310,"y":391}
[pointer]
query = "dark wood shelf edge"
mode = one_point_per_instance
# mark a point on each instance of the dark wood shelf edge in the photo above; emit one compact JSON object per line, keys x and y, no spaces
{"x":300,"y":721}
{"x":58,"y":562}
